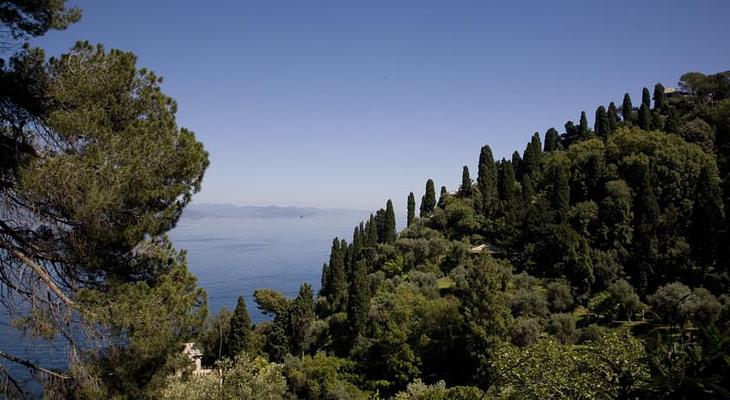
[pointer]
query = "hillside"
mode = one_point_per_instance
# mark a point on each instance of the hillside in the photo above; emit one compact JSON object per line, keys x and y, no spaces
{"x":605,"y":261}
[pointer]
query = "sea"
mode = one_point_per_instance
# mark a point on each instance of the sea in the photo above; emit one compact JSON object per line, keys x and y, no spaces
{"x":232,"y":254}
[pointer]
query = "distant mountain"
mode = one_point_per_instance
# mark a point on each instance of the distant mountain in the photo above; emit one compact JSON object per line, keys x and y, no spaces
{"x":195,"y":211}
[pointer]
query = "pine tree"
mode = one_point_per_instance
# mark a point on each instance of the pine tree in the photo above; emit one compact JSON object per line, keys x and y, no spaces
{"x":583,"y":127}
{"x":428,"y":201}
{"x":465,"y":188}
{"x":613,"y":119}
{"x":658,"y":96}
{"x":552,"y":140}
{"x":357,"y":305}
{"x":239,"y":338}
{"x":300,"y":318}
{"x":487,"y":180}
{"x":646,"y":97}
{"x":411,"y":209}
{"x":645,"y":117}
{"x":602,"y":125}
{"x":627,"y":108}
{"x":390,"y":229}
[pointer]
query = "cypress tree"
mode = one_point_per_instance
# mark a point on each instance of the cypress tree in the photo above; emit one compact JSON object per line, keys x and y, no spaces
{"x":371,"y":232}
{"x":390,"y":230}
{"x":487,"y":180}
{"x":338,"y":281}
{"x":707,"y":216}
{"x":646,"y":97}
{"x":358,"y":304}
{"x":428,"y":201}
{"x":506,"y":182}
{"x":646,"y":217}
{"x":644,"y":117}
{"x":613,"y":119}
{"x":528,"y":190}
{"x":465,"y":188}
{"x":602,"y":125}
{"x":529,"y":159}
{"x":411,"y":209}
{"x":300,"y":318}
{"x":658,"y":96}
{"x":537,"y":146}
{"x":559,"y":195}
{"x":239,"y":338}
{"x":583,"y":127}
{"x":552,"y":140}
{"x":627,"y":108}
{"x":672,"y":123}
{"x":442,"y":197}
{"x":516,"y":163}
{"x":325,"y":280}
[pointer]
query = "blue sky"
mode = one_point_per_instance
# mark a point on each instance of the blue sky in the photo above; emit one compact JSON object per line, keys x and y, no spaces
{"x":346,"y":104}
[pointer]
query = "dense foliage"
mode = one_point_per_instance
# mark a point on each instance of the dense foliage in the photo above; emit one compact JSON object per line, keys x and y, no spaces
{"x":590,"y":266}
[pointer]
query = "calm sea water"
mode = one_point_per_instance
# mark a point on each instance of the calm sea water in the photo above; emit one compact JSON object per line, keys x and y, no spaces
{"x":234,"y":256}
{"x":231,"y":257}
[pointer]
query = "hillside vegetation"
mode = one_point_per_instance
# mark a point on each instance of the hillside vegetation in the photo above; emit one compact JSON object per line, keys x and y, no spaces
{"x":592,"y":265}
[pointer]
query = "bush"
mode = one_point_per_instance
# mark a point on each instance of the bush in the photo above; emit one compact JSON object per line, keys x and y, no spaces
{"x":559,"y":297}
{"x":525,"y":331}
{"x":562,"y":326}
{"x":677,"y":304}
{"x":529,"y":303}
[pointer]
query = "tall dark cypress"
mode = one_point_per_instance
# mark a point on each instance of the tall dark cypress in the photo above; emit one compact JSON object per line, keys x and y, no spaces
{"x":658,"y":96}
{"x":627,"y":108}
{"x":646,"y":218}
{"x":506,"y":182}
{"x":428,"y":201}
{"x":613,"y":119}
{"x":559,"y":194}
{"x":646,"y":97}
{"x":338,"y":280}
{"x":487,"y":180}
{"x":465,"y":188}
{"x":358,"y":303}
{"x":552,"y":140}
{"x":645,"y":117}
{"x":390,"y":231}
{"x":411,"y":209}
{"x":239,"y":338}
{"x":583,"y":126}
{"x":707,"y":217}
{"x":529,"y":159}
{"x":443,"y":196}
{"x":537,"y":146}
{"x":602,"y":125}
{"x":528,"y":190}
{"x":516,"y":163}
{"x":325,"y":280}
{"x":672,"y":122}
{"x":300,"y":318}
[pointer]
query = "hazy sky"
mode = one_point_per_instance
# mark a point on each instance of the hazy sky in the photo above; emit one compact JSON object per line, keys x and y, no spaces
{"x":347,"y":104}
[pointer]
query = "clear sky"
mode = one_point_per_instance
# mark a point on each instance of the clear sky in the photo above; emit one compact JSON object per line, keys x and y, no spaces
{"x":346,"y":104}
